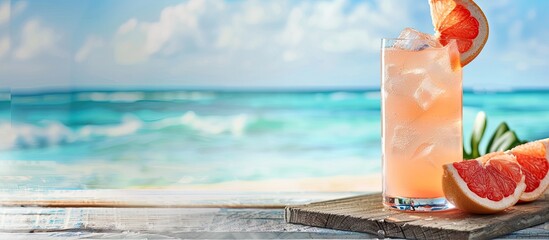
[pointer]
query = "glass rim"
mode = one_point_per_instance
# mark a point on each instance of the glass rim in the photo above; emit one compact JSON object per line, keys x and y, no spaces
{"x":387,"y":43}
{"x":416,"y":39}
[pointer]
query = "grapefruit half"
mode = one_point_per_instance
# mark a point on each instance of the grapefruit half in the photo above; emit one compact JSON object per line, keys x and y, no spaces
{"x":462,"y":20}
{"x":485,"y":185}
{"x":533,"y":157}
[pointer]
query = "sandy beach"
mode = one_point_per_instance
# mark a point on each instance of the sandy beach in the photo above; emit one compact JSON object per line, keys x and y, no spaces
{"x":367,"y":183}
{"x":264,"y":193}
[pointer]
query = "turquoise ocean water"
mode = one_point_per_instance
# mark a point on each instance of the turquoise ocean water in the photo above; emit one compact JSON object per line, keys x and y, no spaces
{"x":120,"y":139}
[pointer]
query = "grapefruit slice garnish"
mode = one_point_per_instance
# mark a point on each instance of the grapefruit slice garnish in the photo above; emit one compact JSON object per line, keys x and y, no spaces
{"x":485,"y":185}
{"x":462,"y":20}
{"x":533,"y":157}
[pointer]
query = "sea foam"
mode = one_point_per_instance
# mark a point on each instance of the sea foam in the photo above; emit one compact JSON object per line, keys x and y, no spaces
{"x":52,"y":133}
{"x":213,"y":125}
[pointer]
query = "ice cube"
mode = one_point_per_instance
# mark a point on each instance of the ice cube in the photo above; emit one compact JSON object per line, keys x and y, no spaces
{"x":414,"y":40}
{"x":440,"y":64}
{"x":404,"y":81}
{"x":423,"y":153}
{"x":423,"y":150}
{"x":403,"y":138}
{"x":449,"y":132}
{"x":427,"y":93}
{"x":415,"y":71}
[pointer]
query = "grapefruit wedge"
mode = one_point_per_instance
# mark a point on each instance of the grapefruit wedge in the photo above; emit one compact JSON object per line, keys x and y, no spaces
{"x":462,"y":20}
{"x":533,"y":157}
{"x":488,"y":184}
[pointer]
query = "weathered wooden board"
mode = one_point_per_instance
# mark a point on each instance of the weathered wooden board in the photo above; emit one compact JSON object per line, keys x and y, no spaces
{"x":174,"y":223}
{"x":366,"y":214}
{"x":156,"y":223}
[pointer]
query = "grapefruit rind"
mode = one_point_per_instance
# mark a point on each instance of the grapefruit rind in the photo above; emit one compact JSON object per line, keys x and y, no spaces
{"x":544,"y":183}
{"x":459,"y":194}
{"x":438,"y":10}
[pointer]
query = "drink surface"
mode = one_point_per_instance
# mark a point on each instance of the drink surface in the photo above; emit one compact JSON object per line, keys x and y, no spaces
{"x":421,"y":119}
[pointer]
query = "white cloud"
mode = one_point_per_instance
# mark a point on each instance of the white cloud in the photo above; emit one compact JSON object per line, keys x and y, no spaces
{"x":127,"y":27}
{"x":290,"y":56}
{"x":327,"y":15}
{"x":4,"y":46}
{"x":336,"y":27}
{"x":35,"y":39}
{"x":129,"y":43}
{"x":177,"y":25}
{"x":515,"y":30}
{"x":531,"y":15}
{"x":516,"y":38}
{"x":526,"y":54}
{"x":351,"y":40}
{"x":254,"y":13}
{"x":91,"y":44}
{"x":7,"y":11}
{"x":284,"y":27}
{"x":18,"y":8}
{"x":294,"y":31}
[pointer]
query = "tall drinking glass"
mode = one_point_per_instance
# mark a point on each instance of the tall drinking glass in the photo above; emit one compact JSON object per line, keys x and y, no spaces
{"x":421,"y":112}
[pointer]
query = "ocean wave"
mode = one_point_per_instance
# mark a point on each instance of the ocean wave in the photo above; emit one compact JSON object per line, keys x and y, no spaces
{"x":341,"y":96}
{"x":129,"y":125}
{"x":214,"y":125}
{"x":30,"y":136}
{"x":372,"y":95}
{"x":8,"y":136}
{"x":110,"y":97}
{"x":129,"y":97}
{"x":183,"y":95}
{"x":492,"y":89}
{"x":52,"y":133}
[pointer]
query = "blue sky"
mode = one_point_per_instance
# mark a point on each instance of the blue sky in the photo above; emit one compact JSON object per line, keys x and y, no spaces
{"x":255,"y":44}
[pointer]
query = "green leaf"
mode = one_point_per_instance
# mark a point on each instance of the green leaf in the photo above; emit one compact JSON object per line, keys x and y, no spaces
{"x":502,"y":128}
{"x":466,"y":155}
{"x":478,"y":132}
{"x":505,"y":142}
{"x":502,"y":139}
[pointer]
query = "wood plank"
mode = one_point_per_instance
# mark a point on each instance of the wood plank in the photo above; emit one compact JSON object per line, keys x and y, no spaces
{"x":366,"y":214}
{"x":170,"y":223}
{"x":155,"y":223}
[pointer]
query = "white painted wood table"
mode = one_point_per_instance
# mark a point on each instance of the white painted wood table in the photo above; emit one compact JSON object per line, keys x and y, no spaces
{"x":175,"y":222}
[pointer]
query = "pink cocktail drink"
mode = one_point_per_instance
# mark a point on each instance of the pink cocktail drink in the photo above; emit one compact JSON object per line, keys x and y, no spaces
{"x":421,"y":93}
